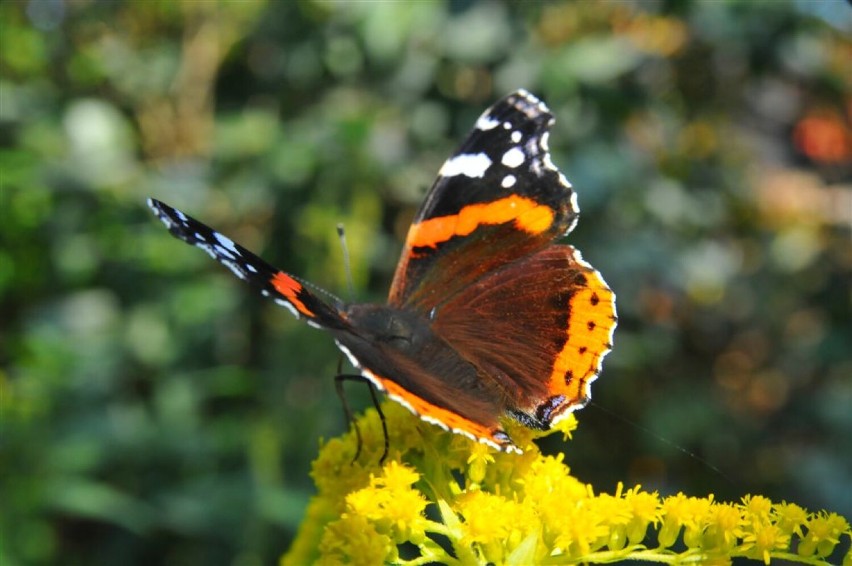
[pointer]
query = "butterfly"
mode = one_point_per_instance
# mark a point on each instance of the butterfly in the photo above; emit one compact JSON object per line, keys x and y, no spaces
{"x":487,"y":316}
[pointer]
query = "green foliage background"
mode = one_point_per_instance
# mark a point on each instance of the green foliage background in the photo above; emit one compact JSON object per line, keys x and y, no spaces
{"x":155,"y":410}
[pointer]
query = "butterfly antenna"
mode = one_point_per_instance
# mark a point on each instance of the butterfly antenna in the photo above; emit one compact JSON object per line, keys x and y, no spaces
{"x":340,"y":378}
{"x":341,"y":233}
{"x":665,"y":441}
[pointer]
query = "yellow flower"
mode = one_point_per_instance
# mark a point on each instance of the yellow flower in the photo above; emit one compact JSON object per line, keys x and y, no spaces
{"x":548,"y":489}
{"x":757,"y":507}
{"x":791,"y":517}
{"x":335,"y":473}
{"x":493,"y":524}
{"x":567,"y":426}
{"x":581,"y":530}
{"x":644,"y":509}
{"x":396,"y":476}
{"x":724,"y":527}
{"x":762,"y":538}
{"x":353,"y":540}
{"x":446,"y":499}
{"x":547,"y":480}
{"x":616,"y":515}
{"x":688,"y":512}
{"x":391,"y":503}
{"x":480,"y":457}
{"x":824,"y":531}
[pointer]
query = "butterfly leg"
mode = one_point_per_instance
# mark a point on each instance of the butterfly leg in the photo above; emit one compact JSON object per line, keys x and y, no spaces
{"x":347,"y":412}
{"x":382,"y":419}
{"x":338,"y":385}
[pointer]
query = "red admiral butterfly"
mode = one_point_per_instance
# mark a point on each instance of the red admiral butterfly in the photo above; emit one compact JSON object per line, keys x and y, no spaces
{"x":486,"y":316}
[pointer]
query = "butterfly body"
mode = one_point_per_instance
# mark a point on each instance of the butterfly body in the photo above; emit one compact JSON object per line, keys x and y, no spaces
{"x":486,"y":316}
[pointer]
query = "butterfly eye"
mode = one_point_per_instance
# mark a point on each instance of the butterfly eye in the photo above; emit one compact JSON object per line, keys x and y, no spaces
{"x":399,"y":330}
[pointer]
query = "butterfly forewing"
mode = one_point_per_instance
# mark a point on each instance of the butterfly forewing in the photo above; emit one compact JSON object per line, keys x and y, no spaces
{"x":497,"y":198}
{"x":285,"y":289}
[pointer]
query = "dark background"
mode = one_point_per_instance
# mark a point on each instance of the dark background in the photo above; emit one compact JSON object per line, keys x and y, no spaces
{"x":155,"y":409}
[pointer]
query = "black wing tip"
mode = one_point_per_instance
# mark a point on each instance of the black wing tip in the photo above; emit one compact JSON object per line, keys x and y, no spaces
{"x":532,"y":106}
{"x":157,"y":206}
{"x":160,"y":209}
{"x":518,"y":107}
{"x":175,"y":220}
{"x":525,"y":95}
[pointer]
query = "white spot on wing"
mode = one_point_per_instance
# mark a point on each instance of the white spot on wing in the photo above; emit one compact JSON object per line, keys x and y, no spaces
{"x":207,"y":248}
{"x":469,"y":165}
{"x":513,"y":157}
{"x":226,"y":242}
{"x":486,"y":122}
{"x":222,"y":252}
{"x":516,"y":136}
{"x":234,"y":267}
{"x":508,"y":181}
{"x":288,"y":306}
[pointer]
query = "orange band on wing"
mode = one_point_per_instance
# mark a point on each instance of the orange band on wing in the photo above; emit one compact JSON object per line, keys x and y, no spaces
{"x":291,"y":288}
{"x":589,"y":334}
{"x":528,"y":215}
{"x":448,"y":419}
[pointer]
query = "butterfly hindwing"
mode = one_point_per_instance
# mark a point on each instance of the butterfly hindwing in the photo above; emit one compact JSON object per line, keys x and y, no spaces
{"x":550,"y":323}
{"x":400,"y":353}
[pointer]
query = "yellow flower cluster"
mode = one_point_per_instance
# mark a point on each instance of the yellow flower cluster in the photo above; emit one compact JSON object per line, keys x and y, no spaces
{"x":441,"y":498}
